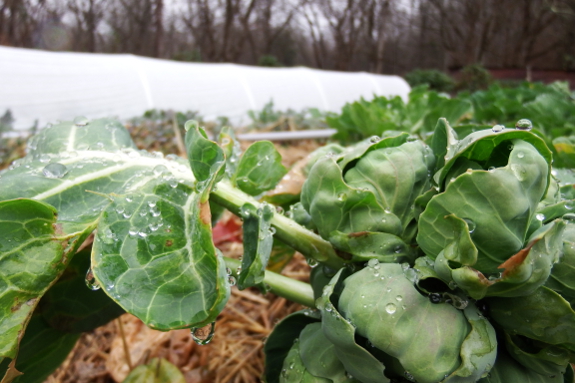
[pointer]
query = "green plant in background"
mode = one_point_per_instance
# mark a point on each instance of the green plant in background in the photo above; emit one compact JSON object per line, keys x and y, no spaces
{"x":446,"y":261}
{"x":474,"y":77}
{"x":269,"y":61}
{"x":551,"y":108}
{"x":433,"y":78}
{"x":270,"y":119}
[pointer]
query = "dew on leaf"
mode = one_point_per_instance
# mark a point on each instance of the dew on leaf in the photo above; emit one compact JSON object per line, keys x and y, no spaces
{"x":540,"y":217}
{"x":312,"y":262}
{"x":390,"y":308}
{"x":81,"y":121}
{"x":470,"y":225}
{"x":232,"y":280}
{"x":524,"y":124}
{"x":91,"y":281}
{"x":203,"y":335}
{"x":497,"y":128}
{"x":54,"y":170}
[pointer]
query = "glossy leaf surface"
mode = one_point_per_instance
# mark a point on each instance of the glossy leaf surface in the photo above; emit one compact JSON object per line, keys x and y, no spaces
{"x":281,"y":339}
{"x":32,"y":255}
{"x":260,"y":168}
{"x":543,"y":315}
{"x":357,"y":361}
{"x":164,"y":250}
{"x":497,"y":205}
{"x":393,"y":308}
{"x":258,"y":243}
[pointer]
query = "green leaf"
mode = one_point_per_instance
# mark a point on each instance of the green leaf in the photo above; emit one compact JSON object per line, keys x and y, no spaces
{"x":366,"y":245}
{"x":71,"y":307}
{"x":260,"y":168}
{"x":163,"y":249}
{"x":478,"y":351}
{"x":358,"y":361}
{"x":95,"y":162}
{"x":507,"y":370}
{"x":562,"y":276}
{"x":258,"y":242}
{"x":451,"y":109}
{"x":318,"y":354}
{"x":207,"y":159}
{"x":523,"y":273}
{"x":281,"y":340}
{"x":488,"y":149}
{"x":294,"y":370}
{"x":443,"y":138}
{"x":396,"y":176}
{"x":32,"y":256}
{"x":546,"y":360}
{"x":73,"y":138}
{"x":384,"y":307}
{"x":497,"y":206}
{"x":333,"y":205}
{"x":231,"y":148}
{"x":544,"y":316}
{"x":355,"y":152}
{"x":157,"y":371}
{"x":42,"y":350}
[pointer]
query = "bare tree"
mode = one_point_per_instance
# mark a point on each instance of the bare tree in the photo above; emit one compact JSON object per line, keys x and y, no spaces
{"x":87,"y":15}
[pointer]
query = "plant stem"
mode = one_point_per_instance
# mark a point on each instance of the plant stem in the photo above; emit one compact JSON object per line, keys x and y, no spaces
{"x":288,"y":231}
{"x":285,"y":287}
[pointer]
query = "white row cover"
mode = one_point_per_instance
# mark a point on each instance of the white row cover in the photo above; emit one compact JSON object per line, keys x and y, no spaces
{"x":51,"y":86}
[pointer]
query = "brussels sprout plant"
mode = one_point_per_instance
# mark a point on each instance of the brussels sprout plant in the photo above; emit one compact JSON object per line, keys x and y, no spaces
{"x":445,"y":260}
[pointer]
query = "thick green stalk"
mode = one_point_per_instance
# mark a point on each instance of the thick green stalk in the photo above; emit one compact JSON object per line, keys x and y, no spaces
{"x":298,"y":237}
{"x":291,"y":289}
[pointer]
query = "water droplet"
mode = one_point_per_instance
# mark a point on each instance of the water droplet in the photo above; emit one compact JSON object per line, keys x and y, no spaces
{"x":408,"y":376}
{"x":232,"y":280}
{"x":524,"y":124}
{"x":127,"y":214}
{"x":155,"y":226}
{"x":312,"y":262}
{"x":372,"y":262}
{"x":132,"y":232}
{"x":491,"y":168}
{"x":540,"y":217}
{"x":272,"y":230}
{"x":342,"y":197}
{"x":160,"y":169}
{"x":173,"y":183}
{"x":54,"y":170}
{"x":497,"y":128}
{"x":203,"y":335}
{"x":435,"y":298}
{"x":81,"y":121}
{"x":91,"y":281}
{"x":470,"y":225}
{"x":399,"y":298}
{"x":520,"y":155}
{"x":568,"y":206}
{"x":155,"y":212}
{"x":518,"y":171}
{"x":390,"y":308}
{"x":374,"y":139}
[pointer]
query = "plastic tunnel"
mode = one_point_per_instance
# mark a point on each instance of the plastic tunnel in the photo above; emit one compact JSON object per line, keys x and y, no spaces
{"x":49,"y":86}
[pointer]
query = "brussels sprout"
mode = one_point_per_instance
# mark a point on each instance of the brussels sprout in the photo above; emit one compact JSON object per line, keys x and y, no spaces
{"x":408,"y":333}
